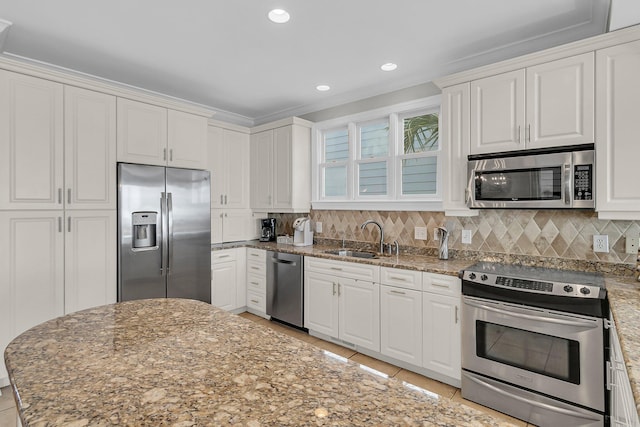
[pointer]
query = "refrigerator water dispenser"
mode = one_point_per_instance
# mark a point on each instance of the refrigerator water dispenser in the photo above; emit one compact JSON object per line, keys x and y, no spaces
{"x":144,"y":230}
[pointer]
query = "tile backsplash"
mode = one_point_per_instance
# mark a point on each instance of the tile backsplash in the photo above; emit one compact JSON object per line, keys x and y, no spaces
{"x":540,"y":233}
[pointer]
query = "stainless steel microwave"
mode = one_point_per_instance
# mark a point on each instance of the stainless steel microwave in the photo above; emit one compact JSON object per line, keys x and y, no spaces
{"x":533,"y":179}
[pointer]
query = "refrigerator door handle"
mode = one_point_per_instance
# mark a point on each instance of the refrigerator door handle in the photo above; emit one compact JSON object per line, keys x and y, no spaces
{"x":163,"y":248}
{"x":170,"y":230}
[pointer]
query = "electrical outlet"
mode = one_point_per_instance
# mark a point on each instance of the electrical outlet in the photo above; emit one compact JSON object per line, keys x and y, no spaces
{"x":318,"y":227}
{"x":420,"y":233}
{"x":631,"y":243}
{"x":466,"y":237}
{"x":436,"y":235}
{"x":600,"y":243}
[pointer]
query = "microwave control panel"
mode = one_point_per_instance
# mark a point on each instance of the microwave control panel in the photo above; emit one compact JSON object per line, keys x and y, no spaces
{"x":583,"y":182}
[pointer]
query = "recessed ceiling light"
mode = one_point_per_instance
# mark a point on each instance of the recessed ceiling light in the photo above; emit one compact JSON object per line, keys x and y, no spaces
{"x":323,"y":88}
{"x":279,"y":16}
{"x":389,"y":66}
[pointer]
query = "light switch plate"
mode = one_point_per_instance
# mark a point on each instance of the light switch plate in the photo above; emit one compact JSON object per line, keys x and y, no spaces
{"x":420,"y":233}
{"x":318,"y":227}
{"x":600,"y":243}
{"x":466,"y":237}
{"x":436,"y":235}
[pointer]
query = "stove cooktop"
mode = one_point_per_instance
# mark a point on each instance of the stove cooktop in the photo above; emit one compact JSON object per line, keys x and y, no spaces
{"x":537,"y":280}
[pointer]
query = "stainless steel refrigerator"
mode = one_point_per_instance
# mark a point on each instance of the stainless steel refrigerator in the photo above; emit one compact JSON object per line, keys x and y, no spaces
{"x":164,"y":233}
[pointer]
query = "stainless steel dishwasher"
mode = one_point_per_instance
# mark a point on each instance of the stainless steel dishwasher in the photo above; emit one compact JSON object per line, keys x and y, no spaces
{"x":285,"y":287}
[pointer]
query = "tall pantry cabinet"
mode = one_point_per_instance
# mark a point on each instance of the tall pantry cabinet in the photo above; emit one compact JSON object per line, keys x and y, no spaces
{"x":57,"y":202}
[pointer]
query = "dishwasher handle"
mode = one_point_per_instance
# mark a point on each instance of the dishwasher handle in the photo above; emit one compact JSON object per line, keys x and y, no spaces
{"x":283,"y":261}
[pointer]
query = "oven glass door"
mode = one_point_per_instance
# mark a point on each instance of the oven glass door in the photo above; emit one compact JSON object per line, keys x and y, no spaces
{"x":550,"y":352}
{"x":548,"y":355}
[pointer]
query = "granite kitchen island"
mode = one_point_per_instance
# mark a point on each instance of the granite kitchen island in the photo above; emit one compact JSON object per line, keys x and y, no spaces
{"x":186,"y":363}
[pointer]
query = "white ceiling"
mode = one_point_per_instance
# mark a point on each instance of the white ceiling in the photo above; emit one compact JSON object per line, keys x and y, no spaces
{"x":226,"y":55}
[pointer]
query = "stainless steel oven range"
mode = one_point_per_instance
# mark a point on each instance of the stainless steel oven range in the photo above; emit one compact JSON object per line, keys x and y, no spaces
{"x":534,"y":343}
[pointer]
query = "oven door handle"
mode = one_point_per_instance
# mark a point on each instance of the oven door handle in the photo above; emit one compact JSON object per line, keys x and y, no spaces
{"x":539,"y":318}
{"x":541,"y":405}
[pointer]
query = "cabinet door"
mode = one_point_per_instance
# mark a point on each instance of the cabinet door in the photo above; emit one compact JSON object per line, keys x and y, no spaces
{"x":282,"y":163}
{"x":31,"y":142}
{"x":498,"y":113}
{"x":401,"y":324}
{"x":321,"y":303}
{"x":90,"y":149}
{"x":217,"y":218}
{"x":217,"y":165}
{"x":618,"y":92}
{"x":187,"y":140}
{"x":32,"y":265}
{"x":237,"y":162}
{"x":560,"y":104}
{"x":236,"y":225}
{"x":441,"y":334}
{"x":360,"y":313}
{"x":455,"y":145}
{"x":90,"y":259}
{"x":261,"y":170}
{"x":142,"y":133}
{"x":223,"y":284}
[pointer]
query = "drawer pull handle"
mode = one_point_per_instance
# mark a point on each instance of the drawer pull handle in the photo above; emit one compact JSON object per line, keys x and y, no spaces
{"x":254,"y":301}
{"x":397,"y":292}
{"x":255,"y":255}
{"x":223,"y":256}
{"x":254,"y":283}
{"x":446,"y":285}
{"x":255,"y":268}
{"x":336,"y":268}
{"x":402,"y":279}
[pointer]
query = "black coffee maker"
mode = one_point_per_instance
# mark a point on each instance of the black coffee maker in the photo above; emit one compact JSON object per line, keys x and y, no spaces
{"x":268,"y":230}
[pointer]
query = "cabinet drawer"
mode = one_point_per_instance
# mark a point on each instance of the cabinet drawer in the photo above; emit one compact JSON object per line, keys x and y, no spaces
{"x":256,"y":254}
{"x":350,"y":270}
{"x":257,"y":283}
{"x":441,"y":284}
{"x":256,"y":267}
{"x":257,"y":301}
{"x":407,"y":279}
{"x":223,"y":256}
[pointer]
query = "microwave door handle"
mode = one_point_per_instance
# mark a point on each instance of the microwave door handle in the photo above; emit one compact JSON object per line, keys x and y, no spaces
{"x":567,"y":184}
{"x":537,"y":317}
{"x":551,"y":408}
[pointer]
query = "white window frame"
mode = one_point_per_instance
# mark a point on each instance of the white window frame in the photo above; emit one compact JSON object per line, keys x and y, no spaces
{"x":400,"y":156}
{"x":323,"y":164}
{"x":391,"y":201}
{"x":357,"y":160}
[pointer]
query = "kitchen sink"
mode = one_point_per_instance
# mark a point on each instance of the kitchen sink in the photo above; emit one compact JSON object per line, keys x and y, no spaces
{"x":354,"y":254}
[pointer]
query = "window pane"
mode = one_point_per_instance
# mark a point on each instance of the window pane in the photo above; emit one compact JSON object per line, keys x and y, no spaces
{"x":421,"y":133}
{"x":335,"y":181}
{"x":419,"y":175}
{"x":336,"y":145}
{"x":373,"y":178}
{"x":374,"y":140}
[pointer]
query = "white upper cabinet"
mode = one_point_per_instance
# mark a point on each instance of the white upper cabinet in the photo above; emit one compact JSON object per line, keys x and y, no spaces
{"x":142,"y":133}
{"x":153,"y":135}
{"x":90,"y":149}
{"x":31,"y":142}
{"x":280,"y":167}
{"x":560,"y":102}
{"x":617,"y":146}
{"x":497,"y":112}
{"x":546,"y":105}
{"x":187,"y":140}
{"x":454,"y":136}
{"x":228,"y":152}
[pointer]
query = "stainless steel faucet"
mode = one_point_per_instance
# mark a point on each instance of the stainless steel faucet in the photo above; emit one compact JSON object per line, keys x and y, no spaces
{"x":370,"y":221}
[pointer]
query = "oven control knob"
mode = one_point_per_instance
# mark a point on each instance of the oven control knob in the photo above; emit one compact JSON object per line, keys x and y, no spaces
{"x":472,"y":276}
{"x":568,"y":288}
{"x":585,"y":291}
{"x":483,"y":277}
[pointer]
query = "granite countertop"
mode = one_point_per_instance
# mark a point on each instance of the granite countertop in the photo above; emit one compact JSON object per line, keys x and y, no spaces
{"x":186,"y":363}
{"x":623,"y":292}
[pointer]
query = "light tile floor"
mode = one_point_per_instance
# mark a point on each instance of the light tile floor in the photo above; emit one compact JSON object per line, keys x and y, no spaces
{"x":8,"y":410}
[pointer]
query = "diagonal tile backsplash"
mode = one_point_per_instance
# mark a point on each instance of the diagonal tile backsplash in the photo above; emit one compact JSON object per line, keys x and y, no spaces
{"x":542,"y":233}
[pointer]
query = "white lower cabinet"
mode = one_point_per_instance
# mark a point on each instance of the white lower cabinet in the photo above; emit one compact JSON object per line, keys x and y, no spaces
{"x":228,"y":279}
{"x":90,"y":259}
{"x":321,"y":303}
{"x":401,"y":324}
{"x":359,"y":312}
{"x":441,"y":334}
{"x":623,"y":408}
{"x":256,"y":281}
